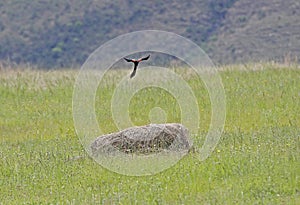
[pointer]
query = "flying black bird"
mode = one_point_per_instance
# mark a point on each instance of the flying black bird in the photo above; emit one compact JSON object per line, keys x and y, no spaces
{"x":136,"y":62}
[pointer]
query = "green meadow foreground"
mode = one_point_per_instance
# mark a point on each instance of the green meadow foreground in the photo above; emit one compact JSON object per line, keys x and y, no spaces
{"x":255,"y":162}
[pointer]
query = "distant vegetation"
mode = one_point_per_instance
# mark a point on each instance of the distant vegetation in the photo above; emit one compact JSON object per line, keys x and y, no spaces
{"x":63,"y":33}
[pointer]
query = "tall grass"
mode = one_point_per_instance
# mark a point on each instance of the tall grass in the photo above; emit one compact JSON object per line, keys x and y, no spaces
{"x":256,"y":161}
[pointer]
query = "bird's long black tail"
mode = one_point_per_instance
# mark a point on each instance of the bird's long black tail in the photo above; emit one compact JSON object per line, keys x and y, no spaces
{"x":133,"y":73}
{"x":134,"y":69}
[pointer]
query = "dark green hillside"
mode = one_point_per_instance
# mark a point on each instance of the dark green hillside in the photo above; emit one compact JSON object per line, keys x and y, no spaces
{"x":61,"y":33}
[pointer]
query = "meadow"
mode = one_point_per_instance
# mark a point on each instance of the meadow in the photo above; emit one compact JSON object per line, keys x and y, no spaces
{"x":255,"y":162}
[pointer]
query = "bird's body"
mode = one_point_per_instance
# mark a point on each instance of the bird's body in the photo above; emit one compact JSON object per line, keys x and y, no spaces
{"x":136,"y":63}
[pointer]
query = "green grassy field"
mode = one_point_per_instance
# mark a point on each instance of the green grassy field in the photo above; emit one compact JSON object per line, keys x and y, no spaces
{"x":255,"y":162}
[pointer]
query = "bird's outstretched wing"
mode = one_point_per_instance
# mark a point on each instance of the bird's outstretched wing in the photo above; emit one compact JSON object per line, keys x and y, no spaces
{"x":134,"y":71}
{"x":145,"y":58}
{"x":128,"y":60}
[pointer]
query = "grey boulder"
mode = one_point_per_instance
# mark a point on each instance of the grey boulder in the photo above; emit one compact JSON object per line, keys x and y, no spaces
{"x":147,"y":139}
